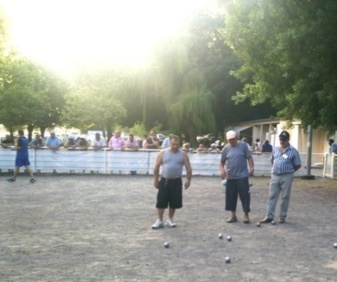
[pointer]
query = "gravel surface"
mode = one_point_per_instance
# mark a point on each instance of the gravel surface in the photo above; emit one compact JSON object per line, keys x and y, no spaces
{"x":98,"y":228}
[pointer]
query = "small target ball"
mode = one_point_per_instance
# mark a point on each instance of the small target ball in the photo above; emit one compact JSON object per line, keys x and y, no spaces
{"x":229,"y":238}
{"x":228,"y":259}
{"x":220,"y":236}
{"x":273,"y":222}
{"x":258,"y":224}
{"x":335,"y":245}
{"x":166,"y":244}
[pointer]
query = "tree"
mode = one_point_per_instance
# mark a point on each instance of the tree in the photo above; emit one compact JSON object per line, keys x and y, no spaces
{"x":216,"y":60}
{"x":288,"y":49}
{"x":187,"y":102}
{"x":193,"y":75}
{"x":29,"y":96}
{"x":93,"y":101}
{"x":51,"y":101}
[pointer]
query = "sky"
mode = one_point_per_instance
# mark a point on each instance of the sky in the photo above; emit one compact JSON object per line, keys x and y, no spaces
{"x":66,"y":34}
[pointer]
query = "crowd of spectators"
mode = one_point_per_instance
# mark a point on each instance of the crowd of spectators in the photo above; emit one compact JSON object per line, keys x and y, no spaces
{"x":117,"y":142}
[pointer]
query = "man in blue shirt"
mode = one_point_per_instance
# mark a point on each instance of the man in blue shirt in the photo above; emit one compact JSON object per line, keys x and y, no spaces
{"x":22,"y":157}
{"x":285,"y":160}
{"x":37,"y":142}
{"x":53,"y":143}
{"x":333,"y":146}
{"x":167,"y":141}
{"x":266,"y":147}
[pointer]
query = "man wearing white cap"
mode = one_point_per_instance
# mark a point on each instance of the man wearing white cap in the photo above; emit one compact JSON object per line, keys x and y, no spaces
{"x":233,"y":166}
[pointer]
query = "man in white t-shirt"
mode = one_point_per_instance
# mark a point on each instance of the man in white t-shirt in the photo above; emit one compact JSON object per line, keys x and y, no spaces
{"x":99,"y":142}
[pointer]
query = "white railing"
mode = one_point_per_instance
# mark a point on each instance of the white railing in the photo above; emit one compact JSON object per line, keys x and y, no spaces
{"x":330,"y":165}
{"x":122,"y":162}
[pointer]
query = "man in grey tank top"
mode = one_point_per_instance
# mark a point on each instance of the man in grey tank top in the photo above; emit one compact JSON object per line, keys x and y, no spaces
{"x":233,"y":166}
{"x":170,"y":184}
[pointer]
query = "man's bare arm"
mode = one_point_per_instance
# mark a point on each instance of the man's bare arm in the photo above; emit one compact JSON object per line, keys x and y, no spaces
{"x":188,"y":170}
{"x":188,"y":167}
{"x":251,"y":166}
{"x":157,"y":165}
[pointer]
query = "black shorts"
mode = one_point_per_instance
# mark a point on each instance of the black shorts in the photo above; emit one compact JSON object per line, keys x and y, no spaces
{"x":170,"y":193}
{"x":237,"y":188}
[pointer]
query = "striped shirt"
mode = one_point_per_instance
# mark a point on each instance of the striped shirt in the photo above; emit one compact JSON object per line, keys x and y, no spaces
{"x":285,"y":162}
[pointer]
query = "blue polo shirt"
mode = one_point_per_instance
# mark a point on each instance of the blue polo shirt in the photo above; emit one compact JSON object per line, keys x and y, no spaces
{"x":285,"y":162}
{"x":54,"y":142}
{"x":235,"y":159}
{"x":22,"y":153}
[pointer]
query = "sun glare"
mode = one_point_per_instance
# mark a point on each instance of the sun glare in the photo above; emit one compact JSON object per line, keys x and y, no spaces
{"x":65,"y":34}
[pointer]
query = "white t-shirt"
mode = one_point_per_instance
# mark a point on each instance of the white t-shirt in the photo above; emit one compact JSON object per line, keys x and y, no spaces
{"x":99,"y":143}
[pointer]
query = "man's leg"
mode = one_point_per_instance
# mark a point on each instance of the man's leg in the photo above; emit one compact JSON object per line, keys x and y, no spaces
{"x":285,"y":192}
{"x":231,"y":199}
{"x":160,"y":213}
{"x":274,"y":192}
{"x":171,"y":212}
{"x":16,"y":172}
{"x":244,"y":194}
{"x":161,"y":202}
{"x":170,"y":221}
{"x":175,"y":189}
{"x":30,"y":171}
{"x":159,"y":222}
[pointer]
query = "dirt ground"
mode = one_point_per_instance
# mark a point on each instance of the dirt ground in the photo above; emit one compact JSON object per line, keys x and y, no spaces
{"x":98,"y":228}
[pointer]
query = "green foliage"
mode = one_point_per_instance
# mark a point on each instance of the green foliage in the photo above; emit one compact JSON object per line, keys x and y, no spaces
{"x":288,"y":49}
{"x":139,"y":129}
{"x":158,"y":128}
{"x":28,"y":96}
{"x":186,"y":88}
{"x":193,"y":107}
{"x":93,"y":102}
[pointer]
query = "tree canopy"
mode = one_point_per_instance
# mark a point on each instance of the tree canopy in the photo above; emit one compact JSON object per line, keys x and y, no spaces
{"x":185,"y":88}
{"x":289,"y":53}
{"x":29,"y":96}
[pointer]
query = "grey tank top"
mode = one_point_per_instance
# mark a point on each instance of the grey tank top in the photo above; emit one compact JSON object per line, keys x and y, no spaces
{"x":172,"y":164}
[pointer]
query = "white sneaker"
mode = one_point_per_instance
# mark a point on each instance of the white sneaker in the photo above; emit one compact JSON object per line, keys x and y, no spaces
{"x":158,"y":224}
{"x":170,"y":222}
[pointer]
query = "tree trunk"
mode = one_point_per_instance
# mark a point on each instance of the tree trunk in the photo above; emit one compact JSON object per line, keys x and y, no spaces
{"x":193,"y":137}
{"x":11,"y":132}
{"x":42,"y":131}
{"x":30,"y":129}
{"x":109,"y":131}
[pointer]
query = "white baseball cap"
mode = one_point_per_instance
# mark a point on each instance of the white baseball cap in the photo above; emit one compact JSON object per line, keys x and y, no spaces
{"x":231,"y":134}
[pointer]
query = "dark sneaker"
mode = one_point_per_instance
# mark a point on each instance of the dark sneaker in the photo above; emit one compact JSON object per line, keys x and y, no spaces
{"x":246,"y":219}
{"x":11,"y":180}
{"x":282,"y":220}
{"x":232,"y":219}
{"x":266,"y":220}
{"x":32,"y":180}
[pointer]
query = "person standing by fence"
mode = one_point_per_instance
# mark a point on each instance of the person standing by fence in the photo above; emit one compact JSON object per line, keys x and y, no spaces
{"x":333,"y":146}
{"x":22,"y":158}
